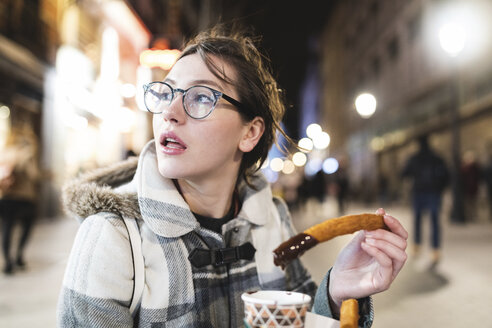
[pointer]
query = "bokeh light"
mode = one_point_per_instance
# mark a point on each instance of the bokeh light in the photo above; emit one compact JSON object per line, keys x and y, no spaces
{"x":265,"y":164}
{"x":276,"y":164}
{"x":289,"y":167}
{"x":128,"y":90}
{"x":330,"y":165}
{"x":306,"y":145}
{"x":299,"y":159}
{"x":4,"y":112}
{"x":365,"y":104}
{"x":321,"y":141}
{"x":313,"y":130}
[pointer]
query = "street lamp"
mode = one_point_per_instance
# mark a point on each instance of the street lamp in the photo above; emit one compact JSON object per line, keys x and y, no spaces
{"x":452,"y":38}
{"x":365,"y":104}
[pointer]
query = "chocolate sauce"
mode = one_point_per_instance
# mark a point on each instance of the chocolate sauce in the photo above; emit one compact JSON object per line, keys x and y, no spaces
{"x":292,"y":249}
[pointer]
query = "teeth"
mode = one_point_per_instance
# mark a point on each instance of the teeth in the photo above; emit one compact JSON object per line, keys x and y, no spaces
{"x":174,"y":146}
{"x":173,"y":143}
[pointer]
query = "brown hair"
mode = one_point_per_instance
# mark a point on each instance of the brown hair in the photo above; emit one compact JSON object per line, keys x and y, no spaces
{"x":255,"y":85}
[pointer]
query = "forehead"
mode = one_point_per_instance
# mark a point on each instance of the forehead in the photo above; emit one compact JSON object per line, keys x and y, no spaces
{"x":193,"y":68}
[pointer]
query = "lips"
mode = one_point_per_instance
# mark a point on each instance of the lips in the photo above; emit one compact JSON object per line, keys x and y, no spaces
{"x":171,"y":143}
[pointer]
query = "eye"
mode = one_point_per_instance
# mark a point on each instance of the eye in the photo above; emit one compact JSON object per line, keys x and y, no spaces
{"x":161,"y":92}
{"x":166,"y":95}
{"x":201,"y":96}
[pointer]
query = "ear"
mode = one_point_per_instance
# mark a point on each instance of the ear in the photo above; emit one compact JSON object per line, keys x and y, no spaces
{"x":253,"y":132}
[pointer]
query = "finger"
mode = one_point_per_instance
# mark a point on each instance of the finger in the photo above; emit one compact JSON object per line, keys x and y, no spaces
{"x":393,"y":252}
{"x":380,"y":211}
{"x":387,"y":236}
{"x":354,"y":244}
{"x":385,"y":274}
{"x":383,"y":259}
{"x":395,"y":226}
{"x":397,"y":255}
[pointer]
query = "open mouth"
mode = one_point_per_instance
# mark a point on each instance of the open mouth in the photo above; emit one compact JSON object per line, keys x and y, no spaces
{"x":170,"y":141}
{"x":173,"y":143}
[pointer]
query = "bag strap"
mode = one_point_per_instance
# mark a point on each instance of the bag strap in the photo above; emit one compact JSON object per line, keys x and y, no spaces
{"x":138,"y":264}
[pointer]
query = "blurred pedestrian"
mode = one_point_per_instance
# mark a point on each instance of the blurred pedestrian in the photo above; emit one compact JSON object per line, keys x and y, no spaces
{"x":341,"y":188}
{"x":205,"y":217}
{"x":383,"y":189}
{"x":430,"y":176}
{"x":317,"y":194}
{"x":17,"y":198}
{"x":470,"y":174}
{"x":303,"y":191}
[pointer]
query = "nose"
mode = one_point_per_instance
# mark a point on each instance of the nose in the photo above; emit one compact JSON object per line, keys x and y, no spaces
{"x":175,"y":112}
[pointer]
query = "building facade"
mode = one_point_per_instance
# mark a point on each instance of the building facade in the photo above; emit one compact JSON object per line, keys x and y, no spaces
{"x":391,"y":49}
{"x":69,"y":72}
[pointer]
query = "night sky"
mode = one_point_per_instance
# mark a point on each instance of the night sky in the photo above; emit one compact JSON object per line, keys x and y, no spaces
{"x":289,"y":30}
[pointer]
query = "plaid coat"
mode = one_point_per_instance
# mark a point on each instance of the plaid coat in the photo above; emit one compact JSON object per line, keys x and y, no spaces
{"x":98,"y":283}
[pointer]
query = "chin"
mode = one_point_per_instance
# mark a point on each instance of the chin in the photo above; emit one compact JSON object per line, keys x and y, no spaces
{"x":168,"y":173}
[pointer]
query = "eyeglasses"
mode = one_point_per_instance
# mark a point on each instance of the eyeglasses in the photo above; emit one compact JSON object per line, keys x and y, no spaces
{"x":198,"y":101}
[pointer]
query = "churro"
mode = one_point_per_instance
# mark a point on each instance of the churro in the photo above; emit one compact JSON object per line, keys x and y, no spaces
{"x":326,"y":230}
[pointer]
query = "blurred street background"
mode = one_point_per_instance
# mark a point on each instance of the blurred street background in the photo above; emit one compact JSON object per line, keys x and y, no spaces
{"x":365,"y":82}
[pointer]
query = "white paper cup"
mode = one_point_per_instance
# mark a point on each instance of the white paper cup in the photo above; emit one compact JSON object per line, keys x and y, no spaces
{"x":273,"y":308}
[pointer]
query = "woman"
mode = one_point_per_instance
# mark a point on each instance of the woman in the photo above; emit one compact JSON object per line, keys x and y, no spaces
{"x":18,"y":194}
{"x":197,"y":196}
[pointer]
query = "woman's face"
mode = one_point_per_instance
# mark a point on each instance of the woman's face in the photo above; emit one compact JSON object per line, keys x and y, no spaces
{"x":193,"y":149}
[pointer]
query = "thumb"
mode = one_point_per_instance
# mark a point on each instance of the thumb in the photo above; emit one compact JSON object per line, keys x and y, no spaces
{"x":380,"y":211}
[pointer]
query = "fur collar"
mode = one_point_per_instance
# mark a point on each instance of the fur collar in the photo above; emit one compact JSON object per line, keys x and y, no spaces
{"x":94,"y":192}
{"x":135,"y":189}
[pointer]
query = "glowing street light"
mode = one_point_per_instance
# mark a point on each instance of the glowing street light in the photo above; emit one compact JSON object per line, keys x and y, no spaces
{"x":452,"y":37}
{"x":365,"y":104}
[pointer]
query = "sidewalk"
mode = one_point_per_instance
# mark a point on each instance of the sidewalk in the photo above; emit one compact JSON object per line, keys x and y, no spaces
{"x":457,"y":294}
{"x":28,"y":298}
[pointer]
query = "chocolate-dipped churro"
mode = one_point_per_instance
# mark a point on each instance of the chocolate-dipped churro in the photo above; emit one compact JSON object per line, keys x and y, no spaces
{"x":297,"y":245}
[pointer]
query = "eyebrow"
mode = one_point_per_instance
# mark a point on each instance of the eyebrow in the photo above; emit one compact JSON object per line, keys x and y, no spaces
{"x":197,"y":82}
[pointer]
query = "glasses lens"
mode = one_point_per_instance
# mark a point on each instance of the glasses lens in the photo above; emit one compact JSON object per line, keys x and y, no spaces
{"x":158,"y":97}
{"x":199,"y":102}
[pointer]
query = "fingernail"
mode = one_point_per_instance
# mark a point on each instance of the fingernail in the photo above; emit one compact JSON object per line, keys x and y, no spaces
{"x":370,"y":241}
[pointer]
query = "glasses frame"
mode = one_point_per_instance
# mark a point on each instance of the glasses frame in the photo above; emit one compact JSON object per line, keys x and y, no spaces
{"x":217,"y":95}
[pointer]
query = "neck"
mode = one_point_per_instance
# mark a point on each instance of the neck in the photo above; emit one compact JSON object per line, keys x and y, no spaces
{"x":212,"y":199}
